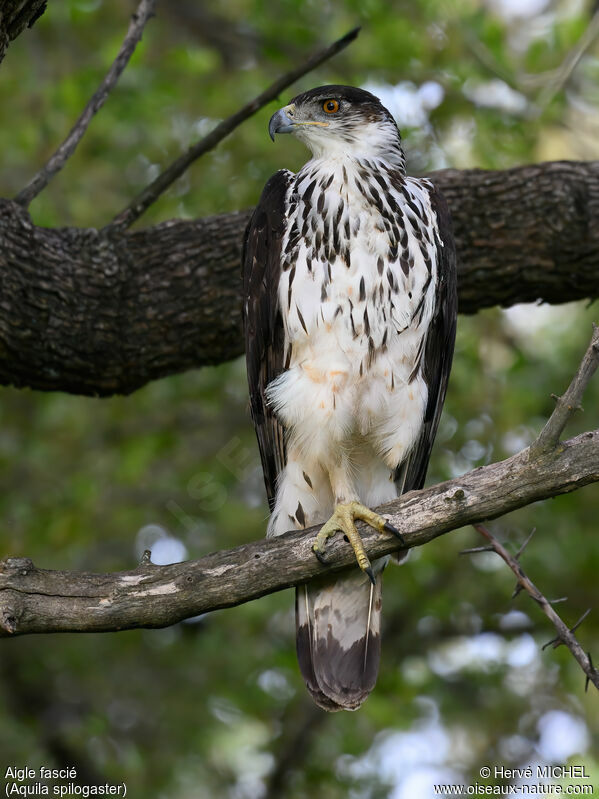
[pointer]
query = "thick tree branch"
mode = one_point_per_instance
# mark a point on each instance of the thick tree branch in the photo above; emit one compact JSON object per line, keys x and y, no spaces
{"x":34,"y":600}
{"x":96,"y":313}
{"x":151,"y":193}
{"x":56,"y":162}
{"x":15,"y":16}
{"x":565,"y":634}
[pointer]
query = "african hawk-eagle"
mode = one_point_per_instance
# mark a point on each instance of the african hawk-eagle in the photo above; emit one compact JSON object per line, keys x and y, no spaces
{"x":349,"y":314}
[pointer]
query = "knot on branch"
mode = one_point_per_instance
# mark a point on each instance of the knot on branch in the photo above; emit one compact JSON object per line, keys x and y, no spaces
{"x":457,"y":496}
{"x":20,"y":566}
{"x":8,"y":621}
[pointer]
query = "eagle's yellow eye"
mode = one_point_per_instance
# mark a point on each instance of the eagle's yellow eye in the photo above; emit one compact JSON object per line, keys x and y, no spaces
{"x":331,"y":106}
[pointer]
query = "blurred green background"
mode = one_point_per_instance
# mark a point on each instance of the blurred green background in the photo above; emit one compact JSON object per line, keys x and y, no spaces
{"x":215,"y":707}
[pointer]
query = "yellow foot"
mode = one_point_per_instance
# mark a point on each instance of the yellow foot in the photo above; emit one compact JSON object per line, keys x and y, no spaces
{"x":342,"y":521}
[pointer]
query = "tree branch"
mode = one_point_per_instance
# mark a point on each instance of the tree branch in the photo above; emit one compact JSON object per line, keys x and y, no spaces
{"x":145,"y":10}
{"x":97,"y":313}
{"x":34,"y":600}
{"x":569,"y":402}
{"x":547,"y":442}
{"x":564,"y":72}
{"x":565,"y":634}
{"x":151,"y":193}
{"x":15,"y":16}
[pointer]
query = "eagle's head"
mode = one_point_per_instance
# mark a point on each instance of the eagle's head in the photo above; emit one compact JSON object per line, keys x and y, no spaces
{"x":340,"y":120}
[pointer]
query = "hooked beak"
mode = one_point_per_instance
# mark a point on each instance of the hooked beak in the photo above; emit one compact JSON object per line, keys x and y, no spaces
{"x":280,"y":122}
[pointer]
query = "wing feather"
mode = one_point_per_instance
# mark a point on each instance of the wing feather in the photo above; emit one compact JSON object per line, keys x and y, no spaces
{"x":263,"y":325}
{"x":438,"y":353}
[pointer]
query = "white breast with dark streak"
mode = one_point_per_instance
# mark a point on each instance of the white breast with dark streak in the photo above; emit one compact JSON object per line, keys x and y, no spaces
{"x":356,"y":296}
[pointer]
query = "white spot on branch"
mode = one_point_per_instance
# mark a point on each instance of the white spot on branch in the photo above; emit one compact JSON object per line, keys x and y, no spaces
{"x":133,"y":579}
{"x":157,"y":590}
{"x":216,"y":572}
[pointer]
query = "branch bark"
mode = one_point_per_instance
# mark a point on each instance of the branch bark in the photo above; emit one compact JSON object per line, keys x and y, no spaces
{"x":101,"y":313}
{"x":15,"y":16}
{"x":34,"y":600}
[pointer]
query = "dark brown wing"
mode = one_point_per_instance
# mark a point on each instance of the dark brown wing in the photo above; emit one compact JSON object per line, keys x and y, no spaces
{"x":263,"y":326}
{"x":440,"y":341}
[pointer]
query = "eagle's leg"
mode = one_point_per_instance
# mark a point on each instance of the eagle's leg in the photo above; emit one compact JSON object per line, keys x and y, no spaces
{"x":342,"y":521}
{"x":343,"y":475}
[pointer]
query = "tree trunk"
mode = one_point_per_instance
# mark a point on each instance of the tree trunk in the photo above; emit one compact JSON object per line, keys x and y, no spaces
{"x":99,"y":313}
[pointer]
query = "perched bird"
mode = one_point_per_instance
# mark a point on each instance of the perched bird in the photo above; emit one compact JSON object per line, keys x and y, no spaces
{"x":349,"y":314}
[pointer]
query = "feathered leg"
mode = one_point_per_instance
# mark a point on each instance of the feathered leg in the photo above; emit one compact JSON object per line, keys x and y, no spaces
{"x":348,"y":509}
{"x":303,"y":496}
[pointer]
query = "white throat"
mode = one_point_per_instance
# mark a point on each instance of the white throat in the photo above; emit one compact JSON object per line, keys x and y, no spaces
{"x":372,"y":141}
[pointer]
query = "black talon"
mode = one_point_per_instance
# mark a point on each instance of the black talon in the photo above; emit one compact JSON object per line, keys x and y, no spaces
{"x":394,"y":531}
{"x":370,"y":574}
{"x":320,"y":557}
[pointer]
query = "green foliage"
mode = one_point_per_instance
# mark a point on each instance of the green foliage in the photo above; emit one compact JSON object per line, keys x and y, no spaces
{"x":210,"y":707}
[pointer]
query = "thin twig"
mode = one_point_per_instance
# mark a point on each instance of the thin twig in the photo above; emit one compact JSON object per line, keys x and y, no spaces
{"x":525,"y":544}
{"x":145,"y":10}
{"x":547,"y":80}
{"x":565,"y":634}
{"x":151,"y":193}
{"x":557,"y":641}
{"x":569,"y":64}
{"x":569,"y":402}
{"x":586,"y":682}
{"x":484,"y":55}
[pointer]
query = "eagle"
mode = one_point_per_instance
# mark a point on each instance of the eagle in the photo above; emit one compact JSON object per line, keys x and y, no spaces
{"x":349,"y":280}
